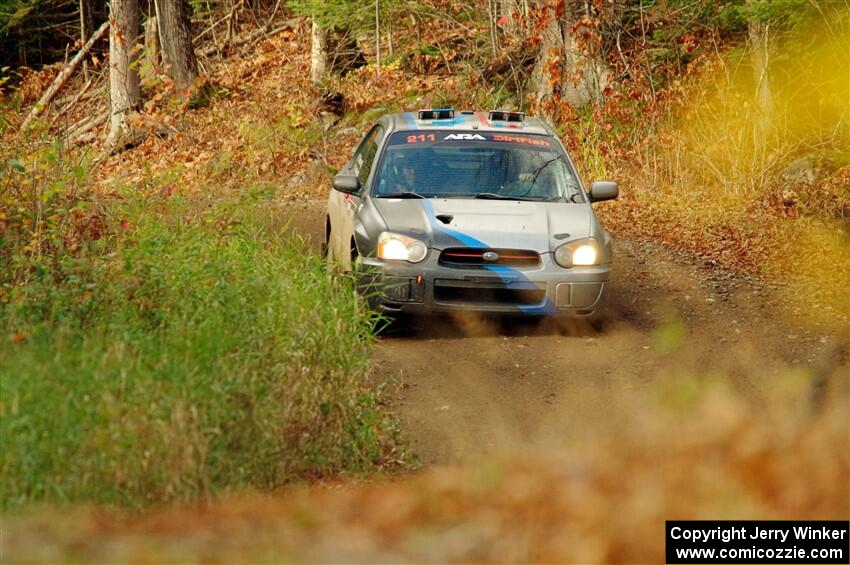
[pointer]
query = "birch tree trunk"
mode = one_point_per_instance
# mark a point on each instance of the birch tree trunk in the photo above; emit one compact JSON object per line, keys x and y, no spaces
{"x":86,"y":28}
{"x":175,"y":37}
{"x":378,"y":36}
{"x":759,"y":38}
{"x":318,"y":54}
{"x":152,"y":49}
{"x":492,"y":9}
{"x":123,"y":77}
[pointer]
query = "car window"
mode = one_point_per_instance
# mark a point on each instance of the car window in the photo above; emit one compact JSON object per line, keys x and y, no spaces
{"x":365,"y":155}
{"x":445,"y":164}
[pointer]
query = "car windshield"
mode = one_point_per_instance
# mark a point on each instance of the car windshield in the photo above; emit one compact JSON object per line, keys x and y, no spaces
{"x":450,"y":164}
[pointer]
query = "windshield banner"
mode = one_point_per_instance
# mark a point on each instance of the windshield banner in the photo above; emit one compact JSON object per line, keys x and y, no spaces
{"x":442,"y":137}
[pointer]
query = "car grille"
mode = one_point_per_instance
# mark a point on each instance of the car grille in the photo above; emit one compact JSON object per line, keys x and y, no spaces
{"x":465,"y":257}
{"x":480,"y":292}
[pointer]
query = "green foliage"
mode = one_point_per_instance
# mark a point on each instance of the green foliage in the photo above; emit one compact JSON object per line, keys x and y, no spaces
{"x":190,"y":348}
{"x":292,"y":129}
{"x":777,"y":13}
{"x":10,"y":98}
{"x":36,"y":32}
{"x":353,"y":15}
{"x":46,"y":212}
{"x":589,"y":155}
{"x":14,"y":12}
{"x":726,"y":17}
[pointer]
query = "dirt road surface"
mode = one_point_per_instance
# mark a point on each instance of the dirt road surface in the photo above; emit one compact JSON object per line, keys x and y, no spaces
{"x":471,"y":385}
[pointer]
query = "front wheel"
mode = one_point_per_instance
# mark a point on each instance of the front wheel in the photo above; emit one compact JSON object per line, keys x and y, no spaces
{"x":326,"y":245}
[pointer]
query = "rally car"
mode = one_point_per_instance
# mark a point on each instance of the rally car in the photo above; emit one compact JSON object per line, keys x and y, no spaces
{"x":440,"y":211}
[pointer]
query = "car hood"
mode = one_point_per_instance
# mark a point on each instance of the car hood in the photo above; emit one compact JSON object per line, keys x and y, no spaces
{"x":486,"y":223}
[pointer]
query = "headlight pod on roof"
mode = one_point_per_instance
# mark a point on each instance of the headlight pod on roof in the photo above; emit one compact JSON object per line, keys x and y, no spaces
{"x":578,"y":253}
{"x":396,"y":247}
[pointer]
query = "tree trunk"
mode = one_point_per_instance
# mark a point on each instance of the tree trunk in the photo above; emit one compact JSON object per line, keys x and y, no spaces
{"x":587,"y":74}
{"x":123,"y":78}
{"x":152,"y":50}
{"x":86,"y":28}
{"x":378,"y":36}
{"x":544,"y":86}
{"x":175,"y":37}
{"x":492,"y":9}
{"x":318,"y":54}
{"x":759,"y":38}
{"x":579,"y":76}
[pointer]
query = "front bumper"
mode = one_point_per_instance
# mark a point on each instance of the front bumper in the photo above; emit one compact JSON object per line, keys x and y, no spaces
{"x":428,"y":287}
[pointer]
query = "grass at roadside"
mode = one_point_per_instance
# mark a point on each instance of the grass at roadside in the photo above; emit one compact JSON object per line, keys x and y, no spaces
{"x":188,"y":349}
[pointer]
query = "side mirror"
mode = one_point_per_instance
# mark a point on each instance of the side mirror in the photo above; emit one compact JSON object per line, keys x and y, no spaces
{"x":349,"y":184}
{"x":604,"y":190}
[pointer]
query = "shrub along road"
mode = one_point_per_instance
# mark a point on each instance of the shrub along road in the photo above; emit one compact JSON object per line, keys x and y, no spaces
{"x":473,"y":385}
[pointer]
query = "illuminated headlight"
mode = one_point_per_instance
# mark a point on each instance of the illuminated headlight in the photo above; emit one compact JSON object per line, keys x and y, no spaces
{"x":395,"y":247}
{"x":582,"y":252}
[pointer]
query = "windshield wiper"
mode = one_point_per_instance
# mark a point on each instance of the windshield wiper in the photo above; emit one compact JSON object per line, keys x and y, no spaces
{"x":406,"y":194}
{"x":494,"y":196}
{"x":539,"y":170}
{"x":536,"y":174}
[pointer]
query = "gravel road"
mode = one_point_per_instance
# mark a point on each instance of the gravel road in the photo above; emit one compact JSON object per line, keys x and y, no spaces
{"x":473,"y":385}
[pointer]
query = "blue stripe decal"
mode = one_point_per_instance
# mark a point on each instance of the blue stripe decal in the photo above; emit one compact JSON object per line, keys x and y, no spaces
{"x":456,"y":121}
{"x":505,"y":273}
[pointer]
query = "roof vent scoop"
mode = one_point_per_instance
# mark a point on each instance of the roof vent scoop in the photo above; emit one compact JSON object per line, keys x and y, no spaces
{"x":505,"y":116}
{"x":437,"y":114}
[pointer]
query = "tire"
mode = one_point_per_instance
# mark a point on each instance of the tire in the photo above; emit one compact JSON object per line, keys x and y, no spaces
{"x":600,"y":317}
{"x":326,"y":246}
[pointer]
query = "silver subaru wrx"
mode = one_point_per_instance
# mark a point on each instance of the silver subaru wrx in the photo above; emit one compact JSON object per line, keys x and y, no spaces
{"x":441,"y":210}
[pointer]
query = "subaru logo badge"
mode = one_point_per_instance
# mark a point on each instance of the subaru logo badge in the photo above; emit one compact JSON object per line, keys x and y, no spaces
{"x":490,"y":256}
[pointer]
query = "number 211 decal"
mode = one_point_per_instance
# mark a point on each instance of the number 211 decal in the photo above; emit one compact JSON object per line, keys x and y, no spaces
{"x":421,"y":138}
